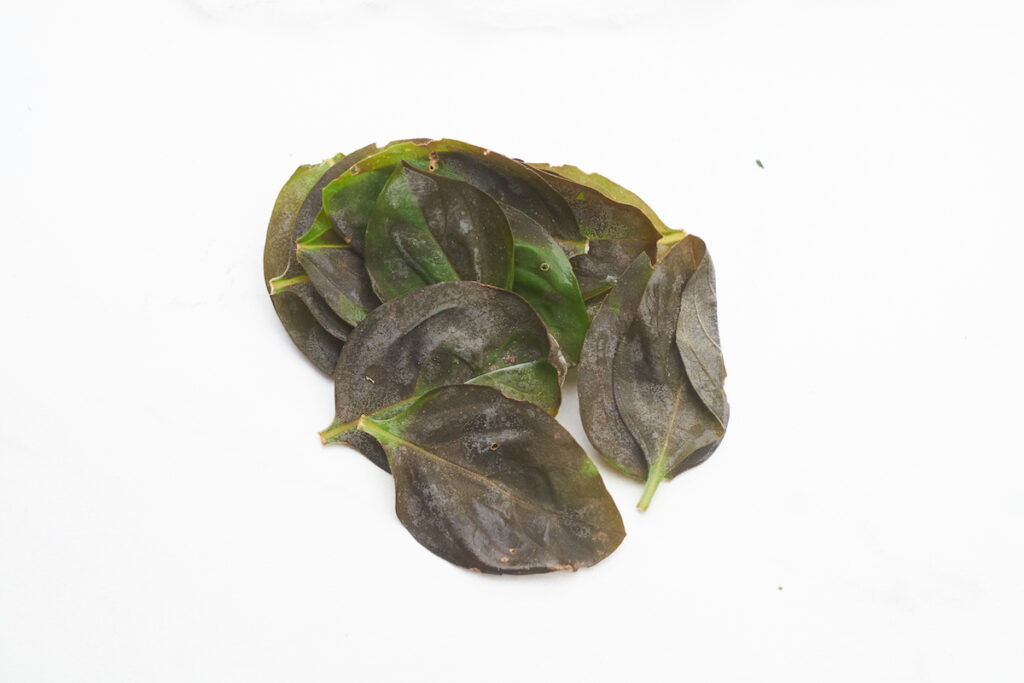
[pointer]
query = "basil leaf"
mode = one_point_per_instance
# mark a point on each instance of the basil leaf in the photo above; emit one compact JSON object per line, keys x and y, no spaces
{"x":513,"y":185}
{"x":348,"y":200}
{"x":312,"y":326}
{"x":609,"y":189}
{"x":339,"y":275}
{"x":426,"y":228}
{"x":448,"y":333}
{"x":496,"y":485}
{"x":654,"y":391}
{"x":618,"y":233}
{"x":544,"y":277}
{"x":599,"y":413}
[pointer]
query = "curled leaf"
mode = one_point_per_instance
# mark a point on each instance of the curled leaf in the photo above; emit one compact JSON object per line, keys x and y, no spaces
{"x":496,"y":485}
{"x":444,"y":334}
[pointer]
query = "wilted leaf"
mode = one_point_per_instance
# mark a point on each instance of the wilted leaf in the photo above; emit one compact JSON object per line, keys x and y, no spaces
{"x":426,"y":228}
{"x":654,"y":392}
{"x":448,"y":333}
{"x":496,"y":485}
{"x":599,"y":413}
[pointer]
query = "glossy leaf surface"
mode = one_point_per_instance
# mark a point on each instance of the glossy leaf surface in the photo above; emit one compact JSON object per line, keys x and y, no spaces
{"x":496,"y":485}
{"x":654,"y":391}
{"x":426,"y":228}
{"x":448,"y":333}
{"x":599,"y":413}
{"x":544,"y":277}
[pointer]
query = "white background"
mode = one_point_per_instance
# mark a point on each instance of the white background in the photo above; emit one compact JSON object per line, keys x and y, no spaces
{"x":168,"y":514}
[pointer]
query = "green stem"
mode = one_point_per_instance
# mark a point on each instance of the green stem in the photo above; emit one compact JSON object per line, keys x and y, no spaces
{"x":319,"y":246}
{"x":280,"y":284}
{"x":672,"y":238}
{"x":365,"y":423}
{"x":332,"y":433}
{"x":656,"y":475}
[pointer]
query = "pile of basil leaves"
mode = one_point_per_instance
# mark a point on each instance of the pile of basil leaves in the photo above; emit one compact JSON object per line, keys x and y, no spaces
{"x":447,"y":289}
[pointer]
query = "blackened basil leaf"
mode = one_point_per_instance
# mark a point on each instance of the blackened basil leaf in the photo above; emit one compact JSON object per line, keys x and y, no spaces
{"x":448,"y":333}
{"x":598,"y":410}
{"x":544,"y":277}
{"x":513,"y":185}
{"x":349,"y":199}
{"x":316,"y":331}
{"x":426,"y":228}
{"x":599,"y":269}
{"x":339,"y":276}
{"x":653,"y":391}
{"x":698,"y":341}
{"x":496,"y":485}
{"x":609,"y":189}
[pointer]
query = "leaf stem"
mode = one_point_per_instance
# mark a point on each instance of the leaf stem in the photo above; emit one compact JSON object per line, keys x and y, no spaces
{"x":655,"y":477}
{"x":280,"y":284}
{"x":332,"y":433}
{"x":672,"y":238}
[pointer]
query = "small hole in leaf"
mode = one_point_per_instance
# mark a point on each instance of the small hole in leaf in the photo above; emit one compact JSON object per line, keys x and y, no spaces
{"x":494,"y":445}
{"x":545,"y":267}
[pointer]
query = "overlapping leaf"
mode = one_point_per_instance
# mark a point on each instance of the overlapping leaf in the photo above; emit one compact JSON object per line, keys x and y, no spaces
{"x":310,"y":323}
{"x":609,"y":189}
{"x":513,"y":185}
{"x":444,"y":334}
{"x":617,"y":234}
{"x":496,"y":485}
{"x":426,"y":228}
{"x":599,"y":413}
{"x":669,"y":349}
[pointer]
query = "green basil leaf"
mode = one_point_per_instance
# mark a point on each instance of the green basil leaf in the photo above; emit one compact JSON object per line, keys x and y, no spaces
{"x":599,"y":413}
{"x":348,"y":200}
{"x":544,"y":277}
{"x":496,"y":485}
{"x":425,"y":228}
{"x":448,"y":333}
{"x":651,"y":376}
